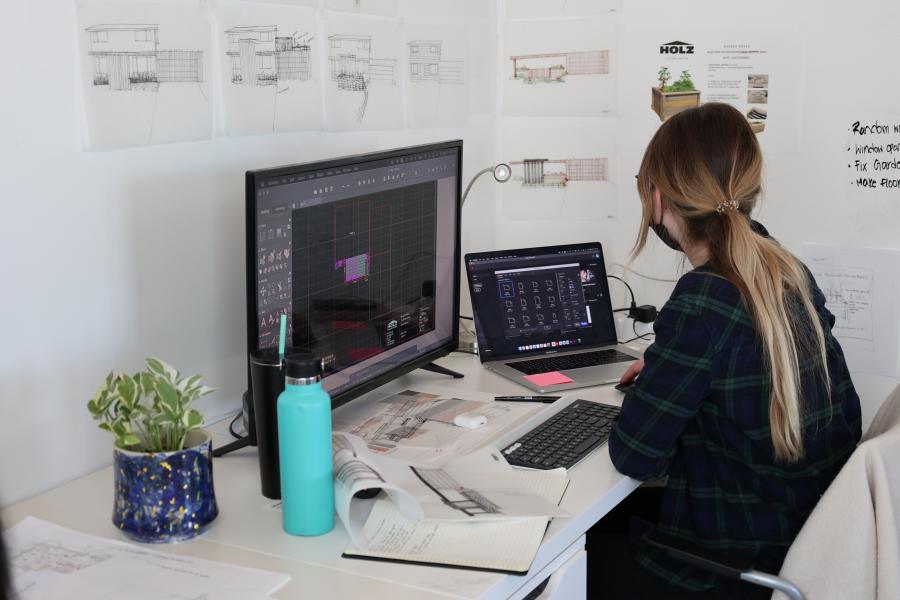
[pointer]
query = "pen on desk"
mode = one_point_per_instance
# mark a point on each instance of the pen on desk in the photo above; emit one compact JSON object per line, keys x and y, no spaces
{"x":543,"y":399}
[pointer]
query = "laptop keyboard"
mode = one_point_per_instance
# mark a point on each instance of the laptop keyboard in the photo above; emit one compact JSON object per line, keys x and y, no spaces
{"x":565,"y":438}
{"x":570,"y":361}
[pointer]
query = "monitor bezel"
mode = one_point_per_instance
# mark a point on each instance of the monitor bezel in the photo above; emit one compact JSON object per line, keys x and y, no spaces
{"x":251,"y":179}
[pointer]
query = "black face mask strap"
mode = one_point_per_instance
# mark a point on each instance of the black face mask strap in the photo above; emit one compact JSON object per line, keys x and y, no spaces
{"x":663,"y":234}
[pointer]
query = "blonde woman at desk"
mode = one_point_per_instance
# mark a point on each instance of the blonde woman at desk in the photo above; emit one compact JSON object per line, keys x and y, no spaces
{"x":744,"y":402}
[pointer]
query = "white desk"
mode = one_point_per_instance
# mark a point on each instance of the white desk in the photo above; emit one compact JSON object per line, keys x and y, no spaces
{"x":246,"y":533}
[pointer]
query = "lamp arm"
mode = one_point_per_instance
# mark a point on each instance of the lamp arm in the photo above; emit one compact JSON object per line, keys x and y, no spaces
{"x":472,"y":182}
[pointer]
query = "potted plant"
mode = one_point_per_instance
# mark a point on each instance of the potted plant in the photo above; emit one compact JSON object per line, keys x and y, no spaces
{"x":667,"y":100}
{"x":162,"y":459}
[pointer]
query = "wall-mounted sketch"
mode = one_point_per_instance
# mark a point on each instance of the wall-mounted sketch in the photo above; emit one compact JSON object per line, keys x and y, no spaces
{"x":437,"y":74}
{"x":127,"y":57}
{"x":353,"y":69}
{"x":560,"y":172}
{"x":144,"y":73}
{"x":554,"y":67}
{"x":543,"y":172}
{"x":270,"y":78}
{"x":362,"y":72}
{"x":426,"y":63}
{"x":559,"y":67}
{"x":259,"y":56}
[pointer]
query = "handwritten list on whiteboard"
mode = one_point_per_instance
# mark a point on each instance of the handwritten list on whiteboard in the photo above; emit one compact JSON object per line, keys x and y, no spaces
{"x":862,"y":290}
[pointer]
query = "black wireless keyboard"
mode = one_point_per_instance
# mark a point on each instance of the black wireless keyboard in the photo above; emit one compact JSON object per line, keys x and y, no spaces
{"x":570,"y":361}
{"x":565,"y":438}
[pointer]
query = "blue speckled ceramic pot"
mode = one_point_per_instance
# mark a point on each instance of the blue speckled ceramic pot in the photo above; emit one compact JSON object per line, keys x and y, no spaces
{"x":165,"y":496}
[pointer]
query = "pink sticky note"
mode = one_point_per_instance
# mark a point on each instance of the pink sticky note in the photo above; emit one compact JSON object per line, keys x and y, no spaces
{"x":545,"y":379}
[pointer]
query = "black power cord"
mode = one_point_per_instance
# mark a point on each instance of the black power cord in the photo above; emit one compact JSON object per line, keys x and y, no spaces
{"x":231,"y":426}
{"x":645,"y":313}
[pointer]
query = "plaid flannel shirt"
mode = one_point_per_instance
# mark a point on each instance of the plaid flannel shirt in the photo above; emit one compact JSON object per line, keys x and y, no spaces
{"x":699,"y":414}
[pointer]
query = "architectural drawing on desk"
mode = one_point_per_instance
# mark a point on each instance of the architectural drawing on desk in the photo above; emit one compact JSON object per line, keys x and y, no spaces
{"x":543,"y":172}
{"x":127,"y":57}
{"x":259,"y":56}
{"x":554,"y":67}
{"x":454,"y":494}
{"x":354,"y":70}
{"x":426,"y":63}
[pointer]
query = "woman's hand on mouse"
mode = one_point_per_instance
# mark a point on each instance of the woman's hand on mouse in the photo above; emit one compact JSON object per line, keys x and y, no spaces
{"x":632,"y":372}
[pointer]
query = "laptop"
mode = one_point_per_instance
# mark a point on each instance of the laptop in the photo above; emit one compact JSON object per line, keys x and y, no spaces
{"x":543,"y":317}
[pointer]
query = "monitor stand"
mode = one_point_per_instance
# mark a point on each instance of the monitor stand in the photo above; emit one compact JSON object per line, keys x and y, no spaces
{"x":442,"y":370}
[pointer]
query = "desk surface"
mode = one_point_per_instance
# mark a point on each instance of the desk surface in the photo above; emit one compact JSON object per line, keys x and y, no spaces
{"x":247,"y":533}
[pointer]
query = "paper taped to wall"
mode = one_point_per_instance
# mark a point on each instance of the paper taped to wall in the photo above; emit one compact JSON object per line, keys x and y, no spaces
{"x":862,"y":290}
{"x":145,"y":73}
{"x":270,"y":76}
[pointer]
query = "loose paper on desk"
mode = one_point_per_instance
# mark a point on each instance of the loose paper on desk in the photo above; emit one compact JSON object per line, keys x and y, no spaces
{"x":508,"y":545}
{"x":862,"y":290}
{"x":481,"y":486}
{"x":417,"y":426}
{"x":50,"y":562}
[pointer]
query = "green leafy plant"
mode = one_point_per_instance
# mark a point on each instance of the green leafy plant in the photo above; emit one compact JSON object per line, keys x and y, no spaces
{"x":683,"y":84}
{"x":149,"y":411}
{"x":663,"y":76}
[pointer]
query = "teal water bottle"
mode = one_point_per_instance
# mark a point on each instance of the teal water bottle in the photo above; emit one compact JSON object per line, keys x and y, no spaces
{"x":304,"y":448}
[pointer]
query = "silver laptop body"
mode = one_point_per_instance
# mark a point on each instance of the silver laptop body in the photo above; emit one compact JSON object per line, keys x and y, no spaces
{"x":550,"y":304}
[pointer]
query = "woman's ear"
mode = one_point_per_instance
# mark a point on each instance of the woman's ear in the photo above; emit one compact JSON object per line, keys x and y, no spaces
{"x":657,"y":205}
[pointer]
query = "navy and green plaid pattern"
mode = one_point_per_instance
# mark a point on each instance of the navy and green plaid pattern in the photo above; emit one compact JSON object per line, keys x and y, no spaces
{"x":699,"y":414}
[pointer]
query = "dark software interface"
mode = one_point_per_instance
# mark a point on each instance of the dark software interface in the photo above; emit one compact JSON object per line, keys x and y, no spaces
{"x":540,"y":300}
{"x":358,"y":257}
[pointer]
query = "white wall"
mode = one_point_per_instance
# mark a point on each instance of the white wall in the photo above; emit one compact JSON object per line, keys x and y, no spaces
{"x":110,"y":257}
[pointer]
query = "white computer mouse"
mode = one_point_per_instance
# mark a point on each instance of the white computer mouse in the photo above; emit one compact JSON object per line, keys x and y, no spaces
{"x":470,"y":420}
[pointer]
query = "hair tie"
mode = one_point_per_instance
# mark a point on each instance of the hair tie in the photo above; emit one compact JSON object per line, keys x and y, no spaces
{"x":726,"y":206}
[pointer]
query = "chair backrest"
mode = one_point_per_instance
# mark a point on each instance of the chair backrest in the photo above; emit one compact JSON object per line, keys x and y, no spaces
{"x":887,"y":417}
{"x":850,"y":545}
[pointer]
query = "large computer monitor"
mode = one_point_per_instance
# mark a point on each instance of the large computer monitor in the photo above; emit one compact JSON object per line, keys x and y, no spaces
{"x":362,"y":254}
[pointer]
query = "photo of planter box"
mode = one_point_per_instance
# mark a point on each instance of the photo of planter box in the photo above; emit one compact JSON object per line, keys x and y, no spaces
{"x":757,"y":81}
{"x":758,"y":96}
{"x":666,"y":104}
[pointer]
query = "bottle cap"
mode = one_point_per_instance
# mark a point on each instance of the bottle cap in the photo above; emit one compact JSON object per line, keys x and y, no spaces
{"x":303,"y":366}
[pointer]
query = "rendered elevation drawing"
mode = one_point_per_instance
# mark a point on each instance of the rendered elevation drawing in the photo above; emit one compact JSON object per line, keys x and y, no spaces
{"x":354,"y":70}
{"x":426,"y":63}
{"x":259,"y":56}
{"x":127,"y":57}
{"x":453,"y":494}
{"x":542,"y":172}
{"x":556,"y":66}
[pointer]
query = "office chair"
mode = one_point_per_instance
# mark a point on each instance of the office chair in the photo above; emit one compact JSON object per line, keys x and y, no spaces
{"x":798,"y":562}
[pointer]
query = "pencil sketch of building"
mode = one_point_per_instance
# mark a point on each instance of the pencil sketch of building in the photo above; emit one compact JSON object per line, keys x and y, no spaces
{"x":555,"y":67}
{"x":427,"y":64}
{"x":259,"y":56}
{"x":127,"y":57}
{"x":455,"y":495}
{"x":543,"y":172}
{"x":354,"y":70}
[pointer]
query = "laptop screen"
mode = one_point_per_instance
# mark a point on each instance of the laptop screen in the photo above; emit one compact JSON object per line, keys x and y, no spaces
{"x":540,"y":300}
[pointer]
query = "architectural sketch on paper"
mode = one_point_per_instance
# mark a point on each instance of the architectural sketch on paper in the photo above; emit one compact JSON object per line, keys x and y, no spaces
{"x":127,"y":57}
{"x":426,"y":63}
{"x":259,"y":56}
{"x":554,"y":67}
{"x":353,"y":69}
{"x":543,"y":172}
{"x":455,"y":495}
